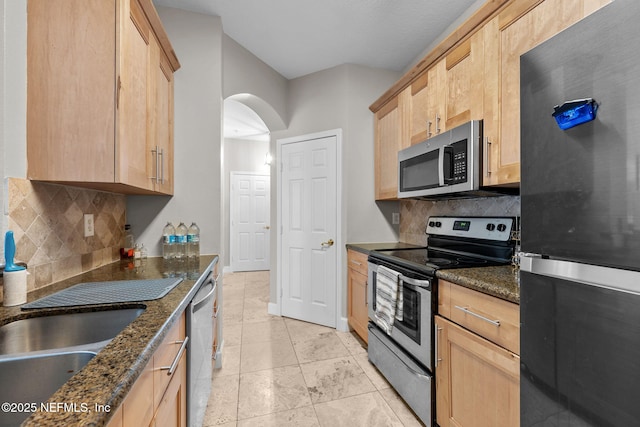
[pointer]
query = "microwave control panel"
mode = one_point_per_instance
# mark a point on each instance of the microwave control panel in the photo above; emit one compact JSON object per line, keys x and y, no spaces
{"x":488,"y":228}
{"x":458,"y":161}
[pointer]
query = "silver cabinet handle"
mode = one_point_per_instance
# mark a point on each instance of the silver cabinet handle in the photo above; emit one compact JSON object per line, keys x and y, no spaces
{"x":437,"y":334}
{"x":438,"y":123}
{"x":429,"y":133}
{"x":366,"y":293}
{"x":487,"y":153}
{"x":155,"y":154}
{"x":174,"y":365}
{"x":356,"y":262}
{"x":161,"y":160}
{"x":467,"y":311}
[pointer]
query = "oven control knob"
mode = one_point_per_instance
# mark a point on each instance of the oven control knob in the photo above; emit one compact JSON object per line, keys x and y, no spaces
{"x":491,"y":227}
{"x":502,"y":227}
{"x":438,"y":224}
{"x":432,"y":223}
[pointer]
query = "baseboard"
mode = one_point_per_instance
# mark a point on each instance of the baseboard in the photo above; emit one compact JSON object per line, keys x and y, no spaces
{"x":273,"y":309}
{"x":217,"y":356}
{"x":343,"y":324}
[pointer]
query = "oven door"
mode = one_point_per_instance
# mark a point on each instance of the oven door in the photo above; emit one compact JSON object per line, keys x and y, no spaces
{"x":413,"y":333}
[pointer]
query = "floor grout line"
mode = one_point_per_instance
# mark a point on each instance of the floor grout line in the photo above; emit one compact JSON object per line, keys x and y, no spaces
{"x":239,"y":300}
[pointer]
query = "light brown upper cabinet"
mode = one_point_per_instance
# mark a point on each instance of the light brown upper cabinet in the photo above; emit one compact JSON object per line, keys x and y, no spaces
{"x":391,"y":135}
{"x":473,"y":74}
{"x":515,"y":30}
{"x":449,"y":93}
{"x":100,"y":96}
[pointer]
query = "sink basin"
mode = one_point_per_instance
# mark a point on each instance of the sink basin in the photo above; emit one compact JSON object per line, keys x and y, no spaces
{"x":30,"y":380}
{"x":64,"y":330}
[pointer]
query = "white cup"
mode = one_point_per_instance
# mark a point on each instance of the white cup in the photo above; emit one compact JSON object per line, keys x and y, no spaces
{"x":15,"y":287}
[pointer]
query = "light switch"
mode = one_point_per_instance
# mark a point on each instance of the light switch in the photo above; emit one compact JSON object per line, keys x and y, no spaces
{"x":395,"y":218}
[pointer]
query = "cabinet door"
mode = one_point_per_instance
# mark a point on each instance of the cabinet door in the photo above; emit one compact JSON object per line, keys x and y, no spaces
{"x":138,"y":407}
{"x":516,"y":30}
{"x":133,"y":99}
{"x":172,"y":411}
{"x":391,"y":124}
{"x":477,"y":382}
{"x":464,"y":71}
{"x":421,"y":120}
{"x":436,"y":99}
{"x":428,"y":104}
{"x":70,"y":90}
{"x":164,"y":356}
{"x":160,"y":121}
{"x":449,"y":93}
{"x":357,"y":303}
{"x":357,"y":309}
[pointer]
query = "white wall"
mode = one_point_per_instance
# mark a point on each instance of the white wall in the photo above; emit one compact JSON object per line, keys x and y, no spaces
{"x":13,"y":93}
{"x":339,"y":98}
{"x":239,"y":156}
{"x":197,"y":40}
{"x":243,"y":73}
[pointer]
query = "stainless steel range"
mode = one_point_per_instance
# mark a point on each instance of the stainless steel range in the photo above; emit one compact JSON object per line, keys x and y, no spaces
{"x":402,"y":292}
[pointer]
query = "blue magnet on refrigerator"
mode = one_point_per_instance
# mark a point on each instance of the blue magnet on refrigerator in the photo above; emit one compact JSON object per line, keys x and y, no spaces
{"x":574,"y":113}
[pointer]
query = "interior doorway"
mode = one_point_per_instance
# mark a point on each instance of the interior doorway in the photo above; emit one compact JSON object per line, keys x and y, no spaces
{"x":250,"y":224}
{"x":310,"y":238}
{"x":245,"y":148}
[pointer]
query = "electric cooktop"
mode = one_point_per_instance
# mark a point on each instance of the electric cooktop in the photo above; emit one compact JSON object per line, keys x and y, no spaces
{"x":457,"y":242}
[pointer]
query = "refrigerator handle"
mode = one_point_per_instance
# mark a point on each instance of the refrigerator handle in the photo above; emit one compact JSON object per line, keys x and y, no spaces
{"x":526,"y":260}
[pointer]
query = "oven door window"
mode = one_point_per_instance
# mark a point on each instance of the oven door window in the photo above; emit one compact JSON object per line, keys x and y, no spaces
{"x":410,"y":324}
{"x":420,"y":172}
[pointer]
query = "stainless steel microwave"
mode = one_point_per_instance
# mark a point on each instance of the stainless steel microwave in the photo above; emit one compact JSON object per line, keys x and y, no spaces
{"x":446,"y":165}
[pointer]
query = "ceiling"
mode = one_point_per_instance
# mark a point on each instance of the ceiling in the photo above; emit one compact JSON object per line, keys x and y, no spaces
{"x":299,"y":37}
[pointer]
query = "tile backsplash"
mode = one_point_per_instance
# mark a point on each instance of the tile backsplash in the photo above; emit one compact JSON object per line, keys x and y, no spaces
{"x":414,"y":213}
{"x":48,"y":225}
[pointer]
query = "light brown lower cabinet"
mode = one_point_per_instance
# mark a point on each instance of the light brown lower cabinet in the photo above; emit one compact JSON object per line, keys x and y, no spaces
{"x":477,"y":381}
{"x":357,"y":309}
{"x":172,"y":411}
{"x":157,"y":398}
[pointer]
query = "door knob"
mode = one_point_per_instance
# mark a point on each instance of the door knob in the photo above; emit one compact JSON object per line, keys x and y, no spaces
{"x":267,"y":227}
{"x":328,"y":243}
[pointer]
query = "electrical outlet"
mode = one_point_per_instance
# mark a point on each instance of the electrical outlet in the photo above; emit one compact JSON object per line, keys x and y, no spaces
{"x":395,"y":218}
{"x":88,"y":225}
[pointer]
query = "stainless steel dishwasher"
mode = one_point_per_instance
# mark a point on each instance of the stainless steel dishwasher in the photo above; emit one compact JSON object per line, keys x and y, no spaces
{"x":200,"y":350}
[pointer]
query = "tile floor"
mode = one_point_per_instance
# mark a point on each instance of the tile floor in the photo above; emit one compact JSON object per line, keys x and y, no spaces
{"x":283,"y":372}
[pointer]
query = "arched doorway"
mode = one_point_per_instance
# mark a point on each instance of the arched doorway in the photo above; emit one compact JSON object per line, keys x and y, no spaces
{"x":246,"y":171}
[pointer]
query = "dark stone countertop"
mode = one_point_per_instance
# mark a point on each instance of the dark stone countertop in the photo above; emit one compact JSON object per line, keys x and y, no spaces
{"x":365,"y":248}
{"x":108,"y":377}
{"x":500,"y":282}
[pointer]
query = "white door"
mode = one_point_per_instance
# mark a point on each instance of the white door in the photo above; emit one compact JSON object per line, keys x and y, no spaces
{"x":250,"y":225}
{"x":309,"y":214}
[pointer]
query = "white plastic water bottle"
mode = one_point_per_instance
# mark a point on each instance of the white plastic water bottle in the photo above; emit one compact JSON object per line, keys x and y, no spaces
{"x":181,"y":242}
{"x":193,"y":241}
{"x":168,"y":241}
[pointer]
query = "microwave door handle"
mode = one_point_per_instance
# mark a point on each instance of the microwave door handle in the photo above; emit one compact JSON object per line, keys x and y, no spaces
{"x":441,"y":156}
{"x":447,"y":165}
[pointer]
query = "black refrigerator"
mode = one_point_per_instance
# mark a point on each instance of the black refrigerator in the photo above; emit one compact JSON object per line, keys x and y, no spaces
{"x":580,"y":229}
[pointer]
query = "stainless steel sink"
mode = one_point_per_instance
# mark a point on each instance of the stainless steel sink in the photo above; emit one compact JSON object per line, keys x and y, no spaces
{"x":64,"y":330}
{"x":31,"y":380}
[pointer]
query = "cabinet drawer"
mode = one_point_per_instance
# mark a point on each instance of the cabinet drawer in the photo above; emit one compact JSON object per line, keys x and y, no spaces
{"x":490,"y":317}
{"x":164,"y":357}
{"x":357,"y":261}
